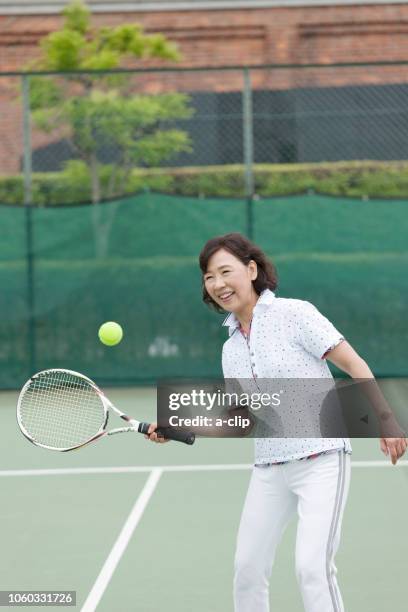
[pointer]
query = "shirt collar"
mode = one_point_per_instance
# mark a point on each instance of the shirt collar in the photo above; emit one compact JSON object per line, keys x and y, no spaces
{"x":265,"y":299}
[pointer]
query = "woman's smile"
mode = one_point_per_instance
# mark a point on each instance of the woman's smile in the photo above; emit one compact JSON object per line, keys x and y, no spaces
{"x":226,"y":296}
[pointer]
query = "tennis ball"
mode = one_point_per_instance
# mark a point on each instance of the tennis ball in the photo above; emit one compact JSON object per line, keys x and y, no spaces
{"x":110,"y":333}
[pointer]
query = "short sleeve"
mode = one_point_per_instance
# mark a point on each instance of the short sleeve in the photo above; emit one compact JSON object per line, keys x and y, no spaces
{"x":313,"y":331}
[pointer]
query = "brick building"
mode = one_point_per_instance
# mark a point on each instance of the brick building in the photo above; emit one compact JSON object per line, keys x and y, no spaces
{"x":224,"y":33}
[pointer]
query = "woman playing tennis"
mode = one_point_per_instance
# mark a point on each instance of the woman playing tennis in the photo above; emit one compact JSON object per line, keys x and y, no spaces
{"x":271,"y":337}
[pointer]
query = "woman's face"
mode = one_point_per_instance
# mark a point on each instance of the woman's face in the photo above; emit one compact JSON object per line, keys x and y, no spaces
{"x":229,"y":282}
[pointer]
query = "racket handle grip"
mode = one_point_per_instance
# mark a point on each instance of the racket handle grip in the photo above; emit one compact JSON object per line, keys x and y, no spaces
{"x":168,"y":432}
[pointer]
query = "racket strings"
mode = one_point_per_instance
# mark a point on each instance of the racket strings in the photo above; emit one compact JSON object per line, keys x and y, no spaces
{"x":61,"y":410}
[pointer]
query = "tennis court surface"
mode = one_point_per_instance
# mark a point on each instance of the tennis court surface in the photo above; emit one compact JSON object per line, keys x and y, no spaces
{"x":130,"y":525}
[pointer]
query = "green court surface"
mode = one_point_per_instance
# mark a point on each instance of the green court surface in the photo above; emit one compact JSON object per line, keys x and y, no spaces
{"x":134,"y":526}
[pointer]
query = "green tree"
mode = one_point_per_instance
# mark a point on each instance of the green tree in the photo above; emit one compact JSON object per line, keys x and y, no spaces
{"x":100,"y":112}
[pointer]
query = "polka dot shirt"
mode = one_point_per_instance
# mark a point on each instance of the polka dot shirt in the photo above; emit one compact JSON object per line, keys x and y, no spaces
{"x":288,"y":339}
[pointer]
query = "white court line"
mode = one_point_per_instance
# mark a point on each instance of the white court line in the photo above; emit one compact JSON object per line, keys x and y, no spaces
{"x":131,"y":469}
{"x":121,"y":543}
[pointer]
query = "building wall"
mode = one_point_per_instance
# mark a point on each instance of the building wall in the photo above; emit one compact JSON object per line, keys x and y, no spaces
{"x":247,"y":36}
{"x":277,"y":35}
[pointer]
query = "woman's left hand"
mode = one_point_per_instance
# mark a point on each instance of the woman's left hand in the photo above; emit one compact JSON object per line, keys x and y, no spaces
{"x":395,"y":447}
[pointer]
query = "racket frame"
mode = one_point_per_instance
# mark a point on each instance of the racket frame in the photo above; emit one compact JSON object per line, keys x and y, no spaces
{"x":106,"y":404}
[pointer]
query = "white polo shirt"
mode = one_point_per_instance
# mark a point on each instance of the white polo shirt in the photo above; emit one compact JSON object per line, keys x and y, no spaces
{"x":288,"y":339}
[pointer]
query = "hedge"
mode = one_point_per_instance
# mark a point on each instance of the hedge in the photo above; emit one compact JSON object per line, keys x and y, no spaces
{"x":366,"y":179}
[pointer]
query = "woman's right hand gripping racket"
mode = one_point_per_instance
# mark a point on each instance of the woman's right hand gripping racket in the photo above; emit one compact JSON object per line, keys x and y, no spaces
{"x":63,"y":410}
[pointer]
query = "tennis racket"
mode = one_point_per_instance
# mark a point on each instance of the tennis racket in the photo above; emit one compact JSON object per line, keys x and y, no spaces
{"x":63,"y":410}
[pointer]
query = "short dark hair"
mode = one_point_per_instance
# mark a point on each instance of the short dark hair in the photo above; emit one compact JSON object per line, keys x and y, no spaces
{"x":244,"y":250}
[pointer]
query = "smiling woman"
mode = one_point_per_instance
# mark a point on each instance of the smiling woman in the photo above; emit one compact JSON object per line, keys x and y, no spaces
{"x":279,"y":338}
{"x":272,"y":337}
{"x":233,"y":257}
{"x":228,"y":284}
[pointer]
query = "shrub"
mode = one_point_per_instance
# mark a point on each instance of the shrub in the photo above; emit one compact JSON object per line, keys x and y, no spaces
{"x":351,"y":179}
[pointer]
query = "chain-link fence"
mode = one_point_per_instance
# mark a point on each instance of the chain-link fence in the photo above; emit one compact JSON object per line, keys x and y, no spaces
{"x":111,"y":183}
{"x":237,"y":132}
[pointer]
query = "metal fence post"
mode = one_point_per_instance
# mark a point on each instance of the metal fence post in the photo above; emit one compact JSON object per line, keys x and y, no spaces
{"x":27,"y":175}
{"x":26,"y":140}
{"x":248,"y":135}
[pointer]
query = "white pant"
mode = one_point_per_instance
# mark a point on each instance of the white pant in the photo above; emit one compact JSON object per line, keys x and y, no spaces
{"x":318,"y":489}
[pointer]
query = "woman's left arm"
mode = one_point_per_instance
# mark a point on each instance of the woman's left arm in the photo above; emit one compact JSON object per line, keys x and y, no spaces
{"x":345,"y":358}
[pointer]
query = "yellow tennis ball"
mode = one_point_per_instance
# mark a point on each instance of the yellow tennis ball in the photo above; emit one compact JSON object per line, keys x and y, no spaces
{"x":110,"y":333}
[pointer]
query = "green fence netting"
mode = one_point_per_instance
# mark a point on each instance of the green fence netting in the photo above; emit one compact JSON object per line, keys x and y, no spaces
{"x":135,"y":261}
